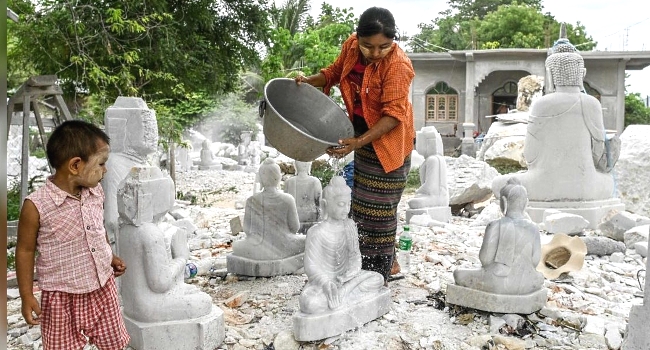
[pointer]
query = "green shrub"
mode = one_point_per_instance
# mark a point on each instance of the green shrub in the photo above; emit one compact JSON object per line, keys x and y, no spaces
{"x":413,"y":180}
{"x":323,"y":171}
{"x":13,"y":202}
{"x":505,"y":167}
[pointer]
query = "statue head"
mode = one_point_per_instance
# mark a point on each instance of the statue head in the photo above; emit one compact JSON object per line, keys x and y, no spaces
{"x":269,"y":173}
{"x":132,"y":127}
{"x":513,"y":197}
{"x":145,"y":195}
{"x":302,"y":167}
{"x":336,"y":197}
{"x":564,"y":64}
{"x":429,"y":142}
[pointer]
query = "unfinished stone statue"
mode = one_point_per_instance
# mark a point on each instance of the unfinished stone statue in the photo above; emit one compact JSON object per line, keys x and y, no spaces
{"x":243,"y":150}
{"x":337,"y":287}
{"x":207,"y":158}
{"x":133,"y":130}
{"x":637,"y":333}
{"x":432,"y":197}
{"x":307,"y":191}
{"x":161,"y":311}
{"x":271,"y":246}
{"x":568,"y":161}
{"x":508,"y":281}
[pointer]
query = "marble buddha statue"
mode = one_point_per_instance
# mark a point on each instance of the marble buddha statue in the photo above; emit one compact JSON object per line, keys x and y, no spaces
{"x":507,"y":281}
{"x":154,"y":278}
{"x":133,"y":130}
{"x":271,"y":246}
{"x":432,"y":197}
{"x":565,"y":145}
{"x":510,"y":251}
{"x":307,"y":191}
{"x":337,"y":286}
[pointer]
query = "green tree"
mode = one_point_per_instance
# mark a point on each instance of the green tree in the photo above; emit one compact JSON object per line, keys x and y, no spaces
{"x":153,"y":49}
{"x":636,"y":111}
{"x":175,"y":54}
{"x":510,"y":24}
{"x":306,"y":51}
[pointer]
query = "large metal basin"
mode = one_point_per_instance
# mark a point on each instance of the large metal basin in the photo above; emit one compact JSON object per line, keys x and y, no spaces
{"x":300,"y":121}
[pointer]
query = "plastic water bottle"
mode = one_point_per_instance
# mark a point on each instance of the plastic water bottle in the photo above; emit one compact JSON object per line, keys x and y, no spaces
{"x":190,"y":270}
{"x":404,"y":254}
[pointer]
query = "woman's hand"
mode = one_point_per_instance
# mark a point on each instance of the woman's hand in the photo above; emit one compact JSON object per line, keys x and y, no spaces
{"x":345,"y":147}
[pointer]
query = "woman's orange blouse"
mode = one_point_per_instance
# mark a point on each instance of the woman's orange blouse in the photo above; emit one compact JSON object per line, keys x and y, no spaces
{"x":384,"y":92}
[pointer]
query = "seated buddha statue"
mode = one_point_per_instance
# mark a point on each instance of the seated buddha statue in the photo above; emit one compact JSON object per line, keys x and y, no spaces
{"x":333,"y":260}
{"x":565,"y":145}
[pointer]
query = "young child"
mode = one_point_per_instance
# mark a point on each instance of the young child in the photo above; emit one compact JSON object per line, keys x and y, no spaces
{"x":63,"y":221}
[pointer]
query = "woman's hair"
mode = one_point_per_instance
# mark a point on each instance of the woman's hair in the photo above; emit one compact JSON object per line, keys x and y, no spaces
{"x":376,"y":20}
{"x":73,"y":138}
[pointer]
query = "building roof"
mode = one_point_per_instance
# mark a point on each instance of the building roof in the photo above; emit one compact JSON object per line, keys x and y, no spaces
{"x":634,"y":60}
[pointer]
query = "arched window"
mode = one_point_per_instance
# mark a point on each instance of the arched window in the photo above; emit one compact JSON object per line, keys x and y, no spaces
{"x":504,"y":98}
{"x":591,"y":91}
{"x":508,"y":89}
{"x":442,"y":103}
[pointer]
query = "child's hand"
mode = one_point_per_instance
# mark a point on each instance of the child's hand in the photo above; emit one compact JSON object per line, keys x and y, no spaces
{"x":30,"y":307}
{"x":119,"y":267}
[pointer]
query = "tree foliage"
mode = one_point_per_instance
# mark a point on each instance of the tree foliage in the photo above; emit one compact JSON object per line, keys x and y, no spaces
{"x":636,"y":111}
{"x":157,"y":49}
{"x":305,"y":51}
{"x":492,"y":24}
{"x":175,"y":54}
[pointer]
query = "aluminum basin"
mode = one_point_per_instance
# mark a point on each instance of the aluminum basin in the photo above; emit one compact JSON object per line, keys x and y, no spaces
{"x":300,"y":121}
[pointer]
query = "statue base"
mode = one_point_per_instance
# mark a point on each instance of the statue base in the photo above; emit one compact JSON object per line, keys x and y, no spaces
{"x":311,"y":327}
{"x":442,"y":214}
{"x":592,"y":211}
{"x":211,"y":167}
{"x":204,"y":333}
{"x":264,"y":268}
{"x":499,"y":303}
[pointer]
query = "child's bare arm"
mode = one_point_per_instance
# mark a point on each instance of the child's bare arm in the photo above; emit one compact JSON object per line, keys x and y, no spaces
{"x":28,"y":225}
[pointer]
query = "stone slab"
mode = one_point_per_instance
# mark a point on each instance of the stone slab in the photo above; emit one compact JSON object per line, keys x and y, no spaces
{"x":308,"y":327}
{"x":203,"y":333}
{"x":500,"y":303}
{"x":442,"y":214}
{"x":637,"y":334}
{"x":264,"y":268}
{"x":592,"y":211}
{"x":211,"y":167}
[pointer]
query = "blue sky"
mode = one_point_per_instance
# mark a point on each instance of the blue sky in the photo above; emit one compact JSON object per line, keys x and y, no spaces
{"x":614,"y":25}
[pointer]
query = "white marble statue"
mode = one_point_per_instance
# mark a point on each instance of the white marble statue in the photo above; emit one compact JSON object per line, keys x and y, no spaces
{"x":307,"y":191}
{"x":153,"y":290}
{"x":337,"y":286}
{"x":207,"y":158}
{"x":271,"y":246}
{"x":133,"y":130}
{"x":565,"y":146}
{"x":243,"y":150}
{"x":432,"y":197}
{"x":509,"y":256}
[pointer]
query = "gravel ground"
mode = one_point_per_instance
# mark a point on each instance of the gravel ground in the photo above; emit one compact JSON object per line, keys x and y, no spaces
{"x":587,"y":309}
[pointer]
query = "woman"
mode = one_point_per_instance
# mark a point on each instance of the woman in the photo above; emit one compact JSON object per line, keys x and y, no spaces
{"x":374,"y":76}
